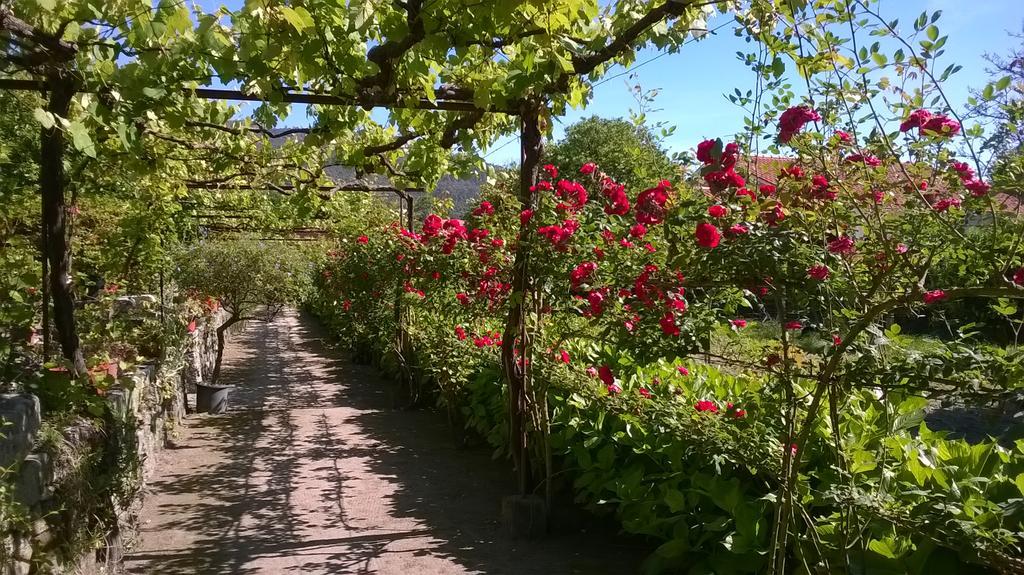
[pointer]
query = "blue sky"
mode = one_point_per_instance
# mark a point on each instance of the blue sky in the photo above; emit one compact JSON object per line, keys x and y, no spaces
{"x":693,"y":82}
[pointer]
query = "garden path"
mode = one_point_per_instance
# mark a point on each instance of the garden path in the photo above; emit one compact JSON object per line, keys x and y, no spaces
{"x":310,"y":471}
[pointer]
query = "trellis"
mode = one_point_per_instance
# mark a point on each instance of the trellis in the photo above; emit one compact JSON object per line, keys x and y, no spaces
{"x":58,"y":80}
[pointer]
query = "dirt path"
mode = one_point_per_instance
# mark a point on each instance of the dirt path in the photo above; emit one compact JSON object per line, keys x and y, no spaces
{"x":311,"y":472}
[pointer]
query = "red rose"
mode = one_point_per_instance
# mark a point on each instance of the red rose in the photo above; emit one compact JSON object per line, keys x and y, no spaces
{"x":945,"y":203}
{"x":707,"y":235}
{"x":818,"y":272}
{"x":793,"y":120}
{"x":551,"y":170}
{"x":820,"y":189}
{"x":606,"y":375}
{"x":739,"y":323}
{"x":432,"y":225}
{"x":977,"y":187}
{"x":793,"y":325}
{"x":774,"y":215}
{"x":730,"y":155}
{"x":460,"y":332}
{"x":668,"y":325}
{"x":618,"y":201}
{"x":484,"y":209}
{"x":723,"y":179}
{"x":1018,"y":277}
{"x":940,"y":126}
{"x":916,"y":119}
{"x":525,"y":215}
{"x":363,"y":239}
{"x":841,"y":245}
{"x":596,"y":301}
{"x":581,"y":273}
{"x":706,"y":406}
{"x":866,"y":159}
{"x":638,"y":230}
{"x":682,"y":370}
{"x":934,"y":296}
{"x":717,"y":211}
{"x":704,"y":151}
{"x":588,"y":168}
{"x":650,"y":204}
{"x":962,"y":169}
{"x":792,"y":171}
{"x":541,"y":186}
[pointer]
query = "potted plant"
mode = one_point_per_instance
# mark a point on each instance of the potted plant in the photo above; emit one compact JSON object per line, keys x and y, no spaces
{"x":253,"y":281}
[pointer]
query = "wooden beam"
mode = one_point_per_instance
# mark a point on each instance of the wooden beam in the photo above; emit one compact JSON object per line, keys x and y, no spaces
{"x":400,"y":192}
{"x":292,"y":97}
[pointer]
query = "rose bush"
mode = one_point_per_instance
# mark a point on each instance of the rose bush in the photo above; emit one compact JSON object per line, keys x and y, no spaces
{"x":629,"y":286}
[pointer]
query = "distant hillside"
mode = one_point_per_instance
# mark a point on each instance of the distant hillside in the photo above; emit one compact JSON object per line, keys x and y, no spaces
{"x":462,"y":191}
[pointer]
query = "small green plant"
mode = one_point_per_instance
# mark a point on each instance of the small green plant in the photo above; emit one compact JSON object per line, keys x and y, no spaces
{"x":12,"y":514}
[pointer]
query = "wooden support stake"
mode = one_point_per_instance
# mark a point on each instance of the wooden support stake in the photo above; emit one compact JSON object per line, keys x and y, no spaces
{"x":44,"y":250}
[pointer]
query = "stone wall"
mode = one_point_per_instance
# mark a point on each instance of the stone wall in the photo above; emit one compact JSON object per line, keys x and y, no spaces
{"x":149,"y":408}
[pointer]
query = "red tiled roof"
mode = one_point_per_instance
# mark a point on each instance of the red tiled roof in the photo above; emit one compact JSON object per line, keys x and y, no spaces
{"x":1009,"y":202}
{"x":763,"y":169}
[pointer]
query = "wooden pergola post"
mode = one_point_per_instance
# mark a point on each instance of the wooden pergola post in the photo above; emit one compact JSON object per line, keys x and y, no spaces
{"x":513,"y":343}
{"x":54,"y":219}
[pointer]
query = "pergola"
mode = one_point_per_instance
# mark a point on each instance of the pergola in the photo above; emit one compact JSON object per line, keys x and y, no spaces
{"x":50,"y":65}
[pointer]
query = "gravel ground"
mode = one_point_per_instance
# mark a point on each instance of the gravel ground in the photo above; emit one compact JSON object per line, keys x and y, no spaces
{"x":310,"y":471}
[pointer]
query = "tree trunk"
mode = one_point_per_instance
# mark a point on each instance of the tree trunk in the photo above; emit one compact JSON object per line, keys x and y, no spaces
{"x":532,"y":149}
{"x":220,"y":348}
{"x":58,"y":248}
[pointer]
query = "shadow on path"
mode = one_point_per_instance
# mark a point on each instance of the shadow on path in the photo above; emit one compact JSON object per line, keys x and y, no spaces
{"x":311,"y":472}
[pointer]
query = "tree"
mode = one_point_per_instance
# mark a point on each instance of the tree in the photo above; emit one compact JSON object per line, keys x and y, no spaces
{"x":1001,"y":104}
{"x":630,"y":154}
{"x":252,"y":279}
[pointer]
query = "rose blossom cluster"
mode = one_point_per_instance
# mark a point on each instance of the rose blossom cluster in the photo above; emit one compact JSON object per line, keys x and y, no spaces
{"x":793,"y":120}
{"x":617,"y":203}
{"x":929,"y":124}
{"x":650,"y":204}
{"x":866,"y":159}
{"x":969,"y":179}
{"x":720,"y":169}
{"x":706,"y":406}
{"x":559,"y":234}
